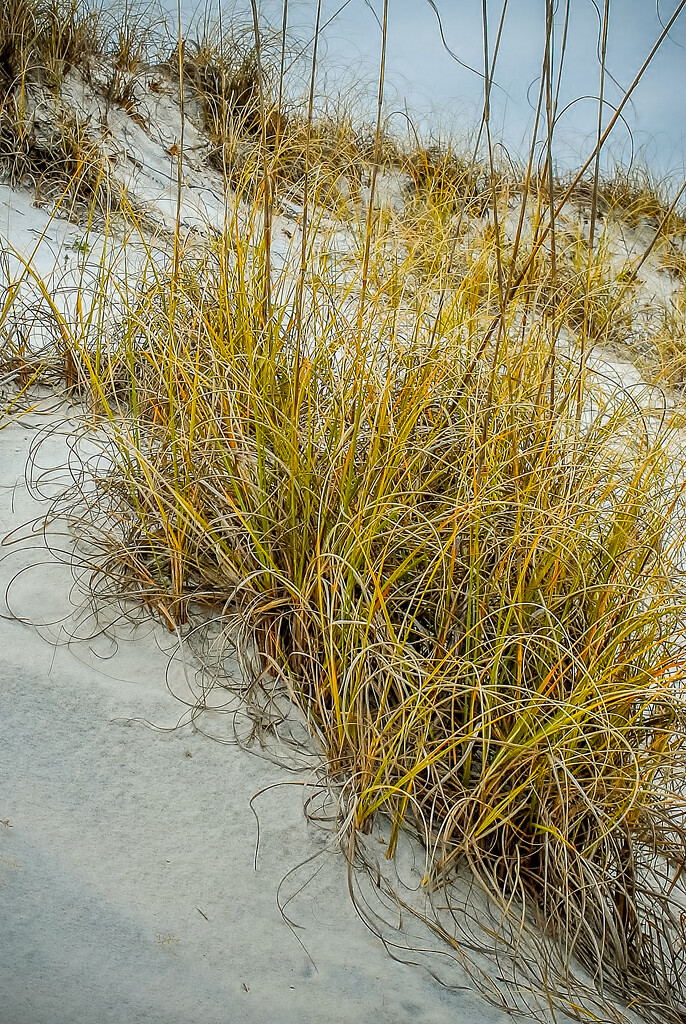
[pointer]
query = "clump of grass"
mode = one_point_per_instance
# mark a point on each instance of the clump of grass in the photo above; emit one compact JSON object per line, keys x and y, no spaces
{"x":40,"y":40}
{"x":323,"y":156}
{"x":132,"y":34}
{"x":250,"y":122}
{"x":74,"y":172}
{"x":450,"y":181}
{"x":637,"y":195}
{"x":30,"y":352}
{"x":68,"y":170}
{"x":468,"y":588}
{"x":224,"y":72}
{"x":64,"y":164}
{"x":587,"y":291}
{"x":662,"y":350}
{"x":421,"y":519}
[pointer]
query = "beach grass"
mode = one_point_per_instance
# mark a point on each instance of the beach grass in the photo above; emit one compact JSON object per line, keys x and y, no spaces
{"x":398,"y":481}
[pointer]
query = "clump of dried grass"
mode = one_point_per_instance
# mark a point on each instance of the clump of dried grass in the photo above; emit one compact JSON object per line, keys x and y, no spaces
{"x":470,"y":590}
{"x":41,"y":143}
{"x":40,"y":40}
{"x":429,"y":525}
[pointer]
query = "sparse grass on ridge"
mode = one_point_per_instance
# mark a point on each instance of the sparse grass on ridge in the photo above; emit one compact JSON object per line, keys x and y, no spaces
{"x":394,"y":479}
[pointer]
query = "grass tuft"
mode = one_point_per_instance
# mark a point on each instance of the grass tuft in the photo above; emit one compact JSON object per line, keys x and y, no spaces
{"x":469,"y":592}
{"x":391,"y":475}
